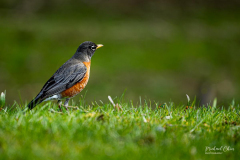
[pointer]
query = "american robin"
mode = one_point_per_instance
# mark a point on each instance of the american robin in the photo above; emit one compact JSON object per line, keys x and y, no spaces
{"x":70,"y":79}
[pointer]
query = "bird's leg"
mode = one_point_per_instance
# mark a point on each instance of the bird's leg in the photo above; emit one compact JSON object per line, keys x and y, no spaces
{"x":59,"y":105}
{"x":66,"y":103}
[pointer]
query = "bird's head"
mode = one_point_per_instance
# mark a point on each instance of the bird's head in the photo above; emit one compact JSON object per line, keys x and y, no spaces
{"x":86,"y":50}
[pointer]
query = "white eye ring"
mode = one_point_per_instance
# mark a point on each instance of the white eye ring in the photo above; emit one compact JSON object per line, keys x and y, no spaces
{"x":93,"y":48}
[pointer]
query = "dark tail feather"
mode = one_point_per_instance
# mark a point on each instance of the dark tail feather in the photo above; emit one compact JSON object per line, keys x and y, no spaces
{"x":35,"y":102}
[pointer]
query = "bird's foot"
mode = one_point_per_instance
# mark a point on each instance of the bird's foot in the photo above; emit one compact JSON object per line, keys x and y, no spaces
{"x":73,"y":107}
{"x":53,"y":111}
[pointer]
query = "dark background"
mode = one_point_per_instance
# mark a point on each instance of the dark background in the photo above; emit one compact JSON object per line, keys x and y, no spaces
{"x":159,"y":50}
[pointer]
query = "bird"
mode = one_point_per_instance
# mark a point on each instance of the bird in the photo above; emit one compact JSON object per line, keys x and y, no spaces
{"x":70,"y":79}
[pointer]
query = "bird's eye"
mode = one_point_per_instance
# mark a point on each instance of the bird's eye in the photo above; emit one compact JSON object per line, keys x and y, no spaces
{"x":93,"y":48}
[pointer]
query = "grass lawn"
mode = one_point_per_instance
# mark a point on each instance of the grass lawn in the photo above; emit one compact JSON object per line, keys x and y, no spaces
{"x":146,"y":130}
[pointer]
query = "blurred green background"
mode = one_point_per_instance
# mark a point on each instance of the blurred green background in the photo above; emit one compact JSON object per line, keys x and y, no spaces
{"x":159,"y":50}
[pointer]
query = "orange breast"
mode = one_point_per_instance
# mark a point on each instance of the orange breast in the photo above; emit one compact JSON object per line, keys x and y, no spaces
{"x":78,"y":87}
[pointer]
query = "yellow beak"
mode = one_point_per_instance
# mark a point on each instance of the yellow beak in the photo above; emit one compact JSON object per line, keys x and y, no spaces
{"x":99,"y":46}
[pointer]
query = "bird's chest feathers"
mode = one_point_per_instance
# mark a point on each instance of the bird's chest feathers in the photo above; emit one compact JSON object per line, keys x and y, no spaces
{"x":85,"y":79}
{"x":78,"y":87}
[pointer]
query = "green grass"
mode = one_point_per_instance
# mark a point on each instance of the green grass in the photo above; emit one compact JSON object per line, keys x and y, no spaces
{"x":146,"y":130}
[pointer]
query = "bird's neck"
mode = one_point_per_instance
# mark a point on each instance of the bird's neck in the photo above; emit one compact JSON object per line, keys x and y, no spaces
{"x":82,"y":57}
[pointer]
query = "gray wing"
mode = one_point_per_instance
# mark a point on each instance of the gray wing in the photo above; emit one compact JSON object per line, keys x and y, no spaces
{"x":65,"y":77}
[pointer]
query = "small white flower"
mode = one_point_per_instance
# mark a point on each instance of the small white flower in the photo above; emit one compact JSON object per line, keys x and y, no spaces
{"x":2,"y":98}
{"x":168,"y":117}
{"x":144,"y":119}
{"x":110,"y":99}
{"x":2,"y":95}
{"x":188,"y":98}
